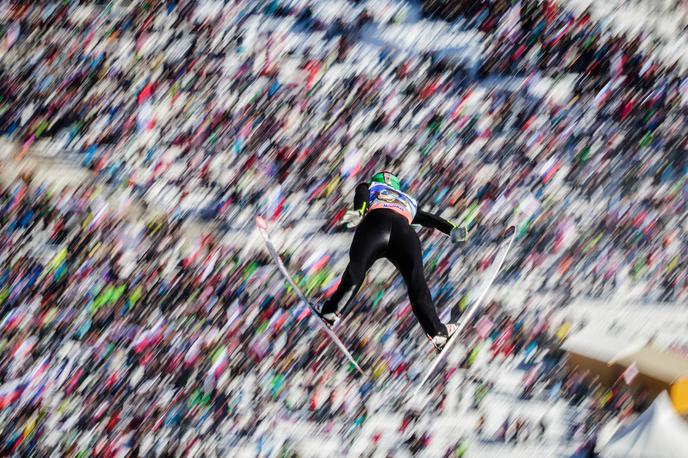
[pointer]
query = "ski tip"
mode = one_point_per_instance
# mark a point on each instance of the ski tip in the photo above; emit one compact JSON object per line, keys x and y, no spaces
{"x":509,"y":231}
{"x":261,"y":223}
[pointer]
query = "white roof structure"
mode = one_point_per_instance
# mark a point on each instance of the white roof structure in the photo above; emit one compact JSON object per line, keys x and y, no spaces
{"x":659,"y":432}
{"x":596,"y":344}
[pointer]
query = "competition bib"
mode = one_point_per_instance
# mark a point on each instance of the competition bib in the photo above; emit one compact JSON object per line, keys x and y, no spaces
{"x":383,"y":196}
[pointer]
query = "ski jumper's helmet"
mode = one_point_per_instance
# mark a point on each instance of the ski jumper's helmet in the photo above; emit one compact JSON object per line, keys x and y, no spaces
{"x":387,"y":178}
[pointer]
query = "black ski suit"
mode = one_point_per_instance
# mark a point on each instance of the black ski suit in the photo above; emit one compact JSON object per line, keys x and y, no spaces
{"x":384,"y":233}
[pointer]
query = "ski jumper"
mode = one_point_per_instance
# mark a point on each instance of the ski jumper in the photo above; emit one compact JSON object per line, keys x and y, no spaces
{"x":385,"y":232}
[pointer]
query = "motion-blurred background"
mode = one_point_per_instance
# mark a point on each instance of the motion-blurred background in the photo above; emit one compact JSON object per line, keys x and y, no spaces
{"x":140,"y":316}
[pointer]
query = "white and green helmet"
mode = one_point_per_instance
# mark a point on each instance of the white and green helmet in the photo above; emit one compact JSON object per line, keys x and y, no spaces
{"x":387,"y":178}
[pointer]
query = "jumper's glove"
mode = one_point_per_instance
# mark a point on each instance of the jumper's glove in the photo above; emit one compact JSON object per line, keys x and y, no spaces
{"x":351,"y":218}
{"x":459,"y":234}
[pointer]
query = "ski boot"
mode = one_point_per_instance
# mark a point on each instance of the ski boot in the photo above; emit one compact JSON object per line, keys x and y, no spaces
{"x":330,"y":319}
{"x":439,"y":341}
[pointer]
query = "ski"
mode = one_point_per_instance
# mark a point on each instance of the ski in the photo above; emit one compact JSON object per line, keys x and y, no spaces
{"x":505,"y":245}
{"x":262,"y":226}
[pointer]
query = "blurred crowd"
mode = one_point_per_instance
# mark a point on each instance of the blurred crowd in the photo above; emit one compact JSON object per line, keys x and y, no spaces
{"x":118,"y":338}
{"x":219,"y":111}
{"x":117,"y":335}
